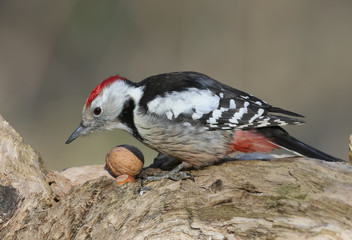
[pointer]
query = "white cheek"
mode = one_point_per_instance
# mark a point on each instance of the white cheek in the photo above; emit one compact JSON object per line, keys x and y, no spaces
{"x":113,"y":106}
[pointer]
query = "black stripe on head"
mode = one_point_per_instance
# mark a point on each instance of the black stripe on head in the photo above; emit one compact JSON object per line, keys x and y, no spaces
{"x":126,"y":117}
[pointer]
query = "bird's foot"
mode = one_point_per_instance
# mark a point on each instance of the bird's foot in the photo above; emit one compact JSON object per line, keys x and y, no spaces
{"x":175,"y":174}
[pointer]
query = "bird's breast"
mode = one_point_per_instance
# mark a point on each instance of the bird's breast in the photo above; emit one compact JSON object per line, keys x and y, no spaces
{"x":193,"y":144}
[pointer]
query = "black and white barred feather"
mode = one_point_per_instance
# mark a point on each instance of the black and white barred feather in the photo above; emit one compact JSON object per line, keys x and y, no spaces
{"x":196,"y":99}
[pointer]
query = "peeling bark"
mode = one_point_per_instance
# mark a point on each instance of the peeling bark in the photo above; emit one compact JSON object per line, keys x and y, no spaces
{"x":292,"y":198}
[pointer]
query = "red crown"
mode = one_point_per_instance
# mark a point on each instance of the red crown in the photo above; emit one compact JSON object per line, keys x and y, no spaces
{"x":101,"y":86}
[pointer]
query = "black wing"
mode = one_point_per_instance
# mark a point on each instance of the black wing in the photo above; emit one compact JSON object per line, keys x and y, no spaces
{"x":194,"y":98}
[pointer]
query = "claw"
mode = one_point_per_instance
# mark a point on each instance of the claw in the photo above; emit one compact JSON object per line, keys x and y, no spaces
{"x":191,"y":177}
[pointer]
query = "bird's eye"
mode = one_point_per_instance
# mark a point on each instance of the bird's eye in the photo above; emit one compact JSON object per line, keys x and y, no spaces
{"x":97,"y":111}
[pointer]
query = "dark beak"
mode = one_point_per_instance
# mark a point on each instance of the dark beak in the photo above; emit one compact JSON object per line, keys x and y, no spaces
{"x":76,"y":134}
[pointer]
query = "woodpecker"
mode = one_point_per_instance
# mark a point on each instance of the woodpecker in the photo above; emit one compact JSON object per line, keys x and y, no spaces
{"x":192,"y":118}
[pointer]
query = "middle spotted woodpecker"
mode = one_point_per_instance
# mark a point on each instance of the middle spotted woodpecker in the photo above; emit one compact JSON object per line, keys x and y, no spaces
{"x":191,"y":117}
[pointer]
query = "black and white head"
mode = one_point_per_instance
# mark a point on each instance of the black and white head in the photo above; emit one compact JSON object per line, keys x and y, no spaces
{"x":106,"y":107}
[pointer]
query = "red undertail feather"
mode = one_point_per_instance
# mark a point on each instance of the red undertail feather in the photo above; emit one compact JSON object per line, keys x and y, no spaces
{"x":251,"y":141}
{"x":101,"y":86}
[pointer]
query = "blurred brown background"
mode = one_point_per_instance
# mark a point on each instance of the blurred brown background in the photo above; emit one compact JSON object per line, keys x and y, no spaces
{"x":294,"y":54}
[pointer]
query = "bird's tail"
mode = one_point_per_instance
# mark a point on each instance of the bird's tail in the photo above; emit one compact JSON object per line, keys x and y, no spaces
{"x":279,"y":136}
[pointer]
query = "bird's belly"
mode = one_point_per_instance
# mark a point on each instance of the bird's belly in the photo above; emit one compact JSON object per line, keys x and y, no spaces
{"x":194,"y":145}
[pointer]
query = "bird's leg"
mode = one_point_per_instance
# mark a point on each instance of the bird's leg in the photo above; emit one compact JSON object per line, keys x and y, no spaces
{"x":175,"y":174}
{"x":165,"y":162}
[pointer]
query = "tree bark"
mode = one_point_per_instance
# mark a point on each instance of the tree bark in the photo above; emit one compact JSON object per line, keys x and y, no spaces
{"x":292,"y":198}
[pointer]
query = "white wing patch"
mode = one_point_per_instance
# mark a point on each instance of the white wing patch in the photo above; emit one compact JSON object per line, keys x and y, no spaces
{"x":192,"y":101}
